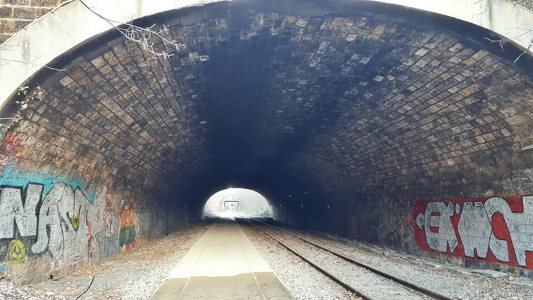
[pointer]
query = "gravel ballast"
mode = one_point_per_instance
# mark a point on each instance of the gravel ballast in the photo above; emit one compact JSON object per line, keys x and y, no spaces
{"x":449,"y":280}
{"x":300,"y":279}
{"x":130,"y":275}
{"x":137,"y":274}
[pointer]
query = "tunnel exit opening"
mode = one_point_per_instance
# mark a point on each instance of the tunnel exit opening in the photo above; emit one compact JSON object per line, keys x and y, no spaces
{"x":236,"y":202}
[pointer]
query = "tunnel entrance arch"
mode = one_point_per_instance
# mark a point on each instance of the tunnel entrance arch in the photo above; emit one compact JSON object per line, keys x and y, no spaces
{"x":369,"y":110}
{"x":234,"y":202}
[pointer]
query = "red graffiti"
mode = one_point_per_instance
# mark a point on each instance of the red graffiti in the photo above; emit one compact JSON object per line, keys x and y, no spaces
{"x":10,"y":148}
{"x":11,"y":144}
{"x":495,"y":229}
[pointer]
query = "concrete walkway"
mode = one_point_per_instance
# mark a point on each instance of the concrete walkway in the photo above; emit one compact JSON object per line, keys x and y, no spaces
{"x":223,"y":264}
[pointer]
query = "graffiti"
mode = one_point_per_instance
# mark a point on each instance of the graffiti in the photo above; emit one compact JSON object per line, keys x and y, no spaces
{"x":103,"y":227}
{"x":14,"y":177}
{"x":60,"y":220}
{"x":10,"y":147}
{"x":110,"y":219}
{"x":56,"y":227}
{"x":439,"y":218}
{"x":13,"y":211}
{"x":127,"y":226}
{"x":407,"y":225}
{"x":17,"y":253}
{"x":75,"y":220}
{"x":520,"y":179}
{"x":494,"y":229}
{"x":63,"y":240}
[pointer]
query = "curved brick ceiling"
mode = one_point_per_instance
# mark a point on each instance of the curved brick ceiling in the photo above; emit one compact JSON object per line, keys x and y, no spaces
{"x":360,"y":104}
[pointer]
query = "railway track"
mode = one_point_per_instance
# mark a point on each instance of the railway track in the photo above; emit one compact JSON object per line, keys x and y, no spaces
{"x":363,"y":280}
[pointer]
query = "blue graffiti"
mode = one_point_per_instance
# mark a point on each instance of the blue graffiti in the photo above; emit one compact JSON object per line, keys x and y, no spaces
{"x":13,"y":177}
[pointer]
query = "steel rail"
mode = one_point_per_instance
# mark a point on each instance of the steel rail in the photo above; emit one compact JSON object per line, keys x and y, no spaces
{"x":406,"y":284}
{"x":320,"y":269}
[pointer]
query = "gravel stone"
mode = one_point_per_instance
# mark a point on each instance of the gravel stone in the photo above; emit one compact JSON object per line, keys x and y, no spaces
{"x":137,"y":274}
{"x":130,"y":275}
{"x":300,"y":279}
{"x":449,"y":280}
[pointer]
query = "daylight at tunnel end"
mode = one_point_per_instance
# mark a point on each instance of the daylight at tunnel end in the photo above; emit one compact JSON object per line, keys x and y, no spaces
{"x":401,"y":126}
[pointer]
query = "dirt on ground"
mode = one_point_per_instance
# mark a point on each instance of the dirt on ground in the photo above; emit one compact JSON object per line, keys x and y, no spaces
{"x":130,"y":275}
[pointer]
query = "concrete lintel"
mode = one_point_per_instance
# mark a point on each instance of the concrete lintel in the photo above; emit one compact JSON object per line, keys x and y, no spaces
{"x":501,"y":16}
{"x":74,"y":22}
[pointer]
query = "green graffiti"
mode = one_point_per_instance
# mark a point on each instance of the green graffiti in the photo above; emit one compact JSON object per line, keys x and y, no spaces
{"x":126,"y":236}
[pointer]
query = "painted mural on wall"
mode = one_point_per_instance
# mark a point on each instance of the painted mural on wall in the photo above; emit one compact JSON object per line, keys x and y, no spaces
{"x":42,"y":214}
{"x":491,"y":229}
{"x":127,"y":226}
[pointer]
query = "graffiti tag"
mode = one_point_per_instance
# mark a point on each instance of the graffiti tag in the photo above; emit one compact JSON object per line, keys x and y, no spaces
{"x":494,"y":229}
{"x":61,"y":221}
{"x":55,"y":226}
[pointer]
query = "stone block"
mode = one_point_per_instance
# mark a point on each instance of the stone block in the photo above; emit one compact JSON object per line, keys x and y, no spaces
{"x":39,"y":12}
{"x":6,"y":12}
{"x":24,"y":13}
{"x":4,"y":37}
{"x":11,"y":26}
{"x":45,"y":3}
{"x":15,"y":2}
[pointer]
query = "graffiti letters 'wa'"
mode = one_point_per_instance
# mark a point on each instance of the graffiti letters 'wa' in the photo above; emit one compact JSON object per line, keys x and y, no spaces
{"x":494,"y":229}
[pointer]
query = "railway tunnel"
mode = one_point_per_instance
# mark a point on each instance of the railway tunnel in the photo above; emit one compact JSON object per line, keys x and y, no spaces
{"x":378,"y":122}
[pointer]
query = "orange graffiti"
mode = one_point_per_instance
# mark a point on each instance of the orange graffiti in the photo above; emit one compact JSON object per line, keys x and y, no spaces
{"x":408,"y":220}
{"x":127,"y":216}
{"x":127,"y":227}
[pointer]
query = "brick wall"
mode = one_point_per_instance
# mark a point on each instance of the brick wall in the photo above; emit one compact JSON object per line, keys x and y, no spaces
{"x":16,"y":14}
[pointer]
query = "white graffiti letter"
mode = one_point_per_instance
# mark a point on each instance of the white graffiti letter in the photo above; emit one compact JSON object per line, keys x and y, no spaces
{"x":64,"y":212}
{"x":438,"y":216}
{"x":75,"y":236}
{"x":49,"y":218}
{"x":12,"y":209}
{"x":475,"y":229}
{"x":519,"y":225}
